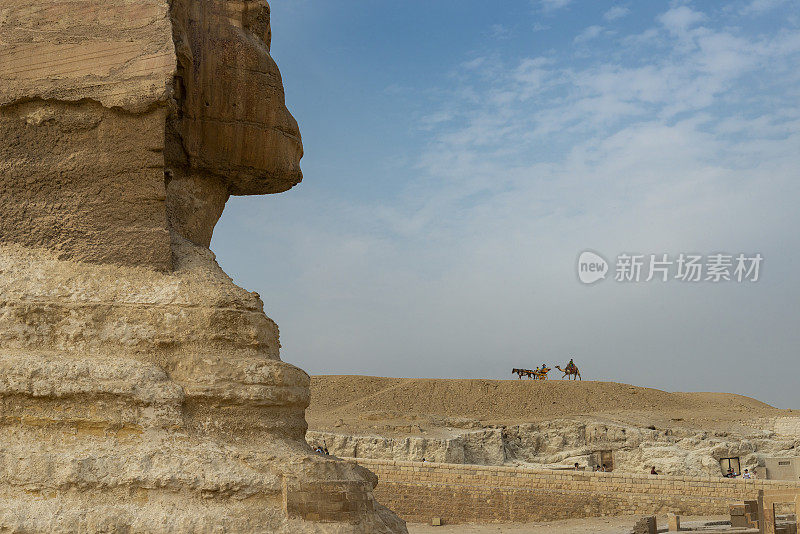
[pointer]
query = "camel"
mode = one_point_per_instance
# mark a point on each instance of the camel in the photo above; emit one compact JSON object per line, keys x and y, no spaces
{"x":570,"y":372}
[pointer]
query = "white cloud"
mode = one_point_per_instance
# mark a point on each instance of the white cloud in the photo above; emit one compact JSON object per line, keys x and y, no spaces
{"x":499,"y":31}
{"x":681,"y":18}
{"x":616,"y":12}
{"x":588,"y":34}
{"x":428,"y":122}
{"x":474,"y":63}
{"x":762,"y":6}
{"x":552,"y":5}
{"x":531,"y":73}
{"x":623,"y":112}
{"x":648,"y":37}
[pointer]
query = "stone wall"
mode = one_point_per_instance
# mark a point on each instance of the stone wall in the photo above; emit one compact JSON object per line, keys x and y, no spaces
{"x":465,"y":493}
{"x":787,"y":426}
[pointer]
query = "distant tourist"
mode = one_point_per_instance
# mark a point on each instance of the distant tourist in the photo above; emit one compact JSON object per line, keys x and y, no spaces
{"x":424,"y":460}
{"x":730,"y":473}
{"x":653,"y":470}
{"x":605,"y":468}
{"x":747,"y":474}
{"x":576,"y":467}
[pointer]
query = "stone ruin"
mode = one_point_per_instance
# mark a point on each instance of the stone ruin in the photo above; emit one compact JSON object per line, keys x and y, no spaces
{"x":141,"y":390}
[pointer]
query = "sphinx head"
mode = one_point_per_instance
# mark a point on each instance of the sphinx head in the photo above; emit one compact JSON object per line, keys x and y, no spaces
{"x":145,"y":118}
{"x":230,"y":132}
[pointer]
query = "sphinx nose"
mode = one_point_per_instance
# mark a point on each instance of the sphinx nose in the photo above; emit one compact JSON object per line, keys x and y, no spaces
{"x":291,"y":130}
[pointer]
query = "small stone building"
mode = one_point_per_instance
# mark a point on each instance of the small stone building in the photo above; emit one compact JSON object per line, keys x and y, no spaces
{"x":782,"y":468}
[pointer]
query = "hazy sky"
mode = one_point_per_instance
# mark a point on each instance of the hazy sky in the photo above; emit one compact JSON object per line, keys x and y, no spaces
{"x":461,"y":154}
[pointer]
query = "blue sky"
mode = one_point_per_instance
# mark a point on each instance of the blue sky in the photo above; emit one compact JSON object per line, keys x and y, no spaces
{"x":459,"y":155}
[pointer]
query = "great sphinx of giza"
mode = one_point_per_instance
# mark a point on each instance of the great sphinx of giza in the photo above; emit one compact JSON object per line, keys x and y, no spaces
{"x":141,"y":390}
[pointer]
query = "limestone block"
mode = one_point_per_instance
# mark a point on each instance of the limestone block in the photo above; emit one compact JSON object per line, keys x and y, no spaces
{"x":83,"y":93}
{"x":115,"y":52}
{"x":84,"y":181}
{"x":645,"y":525}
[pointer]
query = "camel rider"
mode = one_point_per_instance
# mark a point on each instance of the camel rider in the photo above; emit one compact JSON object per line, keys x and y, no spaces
{"x":570,"y":366}
{"x":543,"y":367}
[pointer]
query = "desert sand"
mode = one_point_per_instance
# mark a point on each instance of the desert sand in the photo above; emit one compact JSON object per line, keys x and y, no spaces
{"x":396,"y":406}
{"x":591,"y":525}
{"x":549,"y":424}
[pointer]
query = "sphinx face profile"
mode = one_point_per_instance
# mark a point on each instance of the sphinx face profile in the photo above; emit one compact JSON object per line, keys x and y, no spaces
{"x":231,"y":133}
{"x":125,"y":123}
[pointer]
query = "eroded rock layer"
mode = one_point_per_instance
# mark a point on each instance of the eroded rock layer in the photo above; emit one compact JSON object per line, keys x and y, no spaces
{"x":84,"y":89}
{"x":141,"y":390}
{"x":561,"y":443}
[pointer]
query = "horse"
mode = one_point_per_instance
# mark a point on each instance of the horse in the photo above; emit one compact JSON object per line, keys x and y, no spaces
{"x":522,"y":372}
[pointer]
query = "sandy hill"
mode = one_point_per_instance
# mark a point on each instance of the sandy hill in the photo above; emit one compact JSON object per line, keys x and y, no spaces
{"x":392,"y":404}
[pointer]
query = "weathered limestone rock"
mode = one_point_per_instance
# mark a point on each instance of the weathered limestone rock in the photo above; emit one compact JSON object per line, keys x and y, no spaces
{"x":232,"y":119}
{"x":84,"y":94}
{"x":140,"y":389}
{"x":645,"y":525}
{"x":562,"y":442}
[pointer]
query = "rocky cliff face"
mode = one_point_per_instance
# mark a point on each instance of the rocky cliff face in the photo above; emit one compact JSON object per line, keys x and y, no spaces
{"x":562,"y":443}
{"x":141,"y":389}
